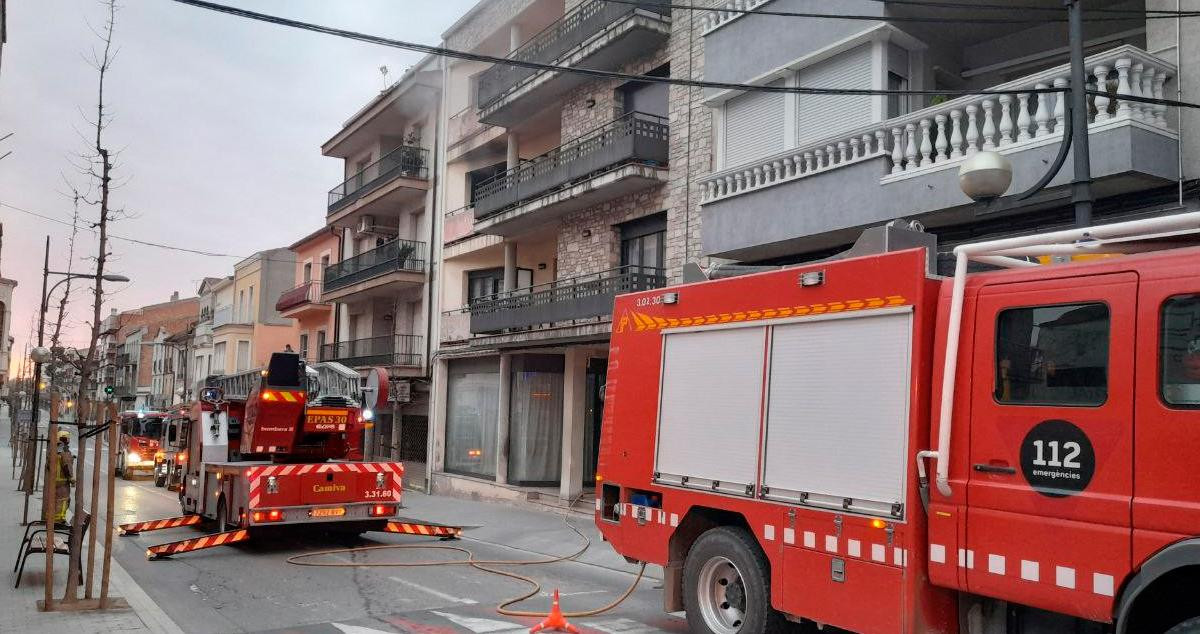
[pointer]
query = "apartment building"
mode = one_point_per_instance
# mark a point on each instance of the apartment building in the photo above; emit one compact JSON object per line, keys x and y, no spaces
{"x":169,"y":357}
{"x":796,"y":177}
{"x":6,"y":340}
{"x":314,"y":318}
{"x":246,"y":327}
{"x":128,"y":344}
{"x":379,"y":281}
{"x":558,"y":192}
{"x":199,"y":351}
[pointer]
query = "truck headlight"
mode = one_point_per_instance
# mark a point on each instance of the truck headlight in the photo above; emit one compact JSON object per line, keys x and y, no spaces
{"x":133,"y":458}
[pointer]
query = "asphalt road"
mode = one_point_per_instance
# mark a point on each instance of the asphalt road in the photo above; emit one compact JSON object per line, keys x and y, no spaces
{"x":250,"y":587}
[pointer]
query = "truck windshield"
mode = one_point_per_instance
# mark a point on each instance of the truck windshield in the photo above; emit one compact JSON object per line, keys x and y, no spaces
{"x":149,"y":427}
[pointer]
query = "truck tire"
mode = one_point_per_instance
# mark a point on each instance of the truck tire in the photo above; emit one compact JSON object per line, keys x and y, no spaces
{"x":1190,"y":626}
{"x":727,"y":585}
{"x":119,"y":470}
{"x":160,"y":479}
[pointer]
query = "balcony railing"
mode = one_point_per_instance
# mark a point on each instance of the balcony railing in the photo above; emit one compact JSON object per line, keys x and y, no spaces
{"x":306,"y":293}
{"x":397,"y":255}
{"x":941,"y":136}
{"x":125,"y":358}
{"x":634,"y":138}
{"x":224,"y":316}
{"x":406,"y":161}
{"x":388,"y":350}
{"x":456,"y":325}
{"x":464,"y":125}
{"x":565,"y":300}
{"x":458,"y":224}
{"x":568,"y":32}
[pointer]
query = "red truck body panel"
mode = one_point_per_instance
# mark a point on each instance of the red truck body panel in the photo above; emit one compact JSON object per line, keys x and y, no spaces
{"x":1053,"y":506}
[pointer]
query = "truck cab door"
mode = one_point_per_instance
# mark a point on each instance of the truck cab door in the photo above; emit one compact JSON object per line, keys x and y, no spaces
{"x":1051,"y":442}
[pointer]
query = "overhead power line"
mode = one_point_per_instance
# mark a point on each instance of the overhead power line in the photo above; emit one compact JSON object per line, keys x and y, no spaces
{"x":1024,"y":7}
{"x":604,"y":74}
{"x":589,"y":72}
{"x":897,"y":18}
{"x":146,"y":243}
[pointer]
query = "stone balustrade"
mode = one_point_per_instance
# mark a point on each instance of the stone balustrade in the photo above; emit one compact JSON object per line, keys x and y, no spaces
{"x":713,"y":20}
{"x":940,"y":136}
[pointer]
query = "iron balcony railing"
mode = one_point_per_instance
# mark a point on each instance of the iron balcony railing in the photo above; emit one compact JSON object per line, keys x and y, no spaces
{"x":551,"y":43}
{"x":306,"y":293}
{"x":388,"y":350}
{"x":406,"y":161}
{"x":634,"y":138}
{"x":581,"y":297}
{"x":397,"y":255}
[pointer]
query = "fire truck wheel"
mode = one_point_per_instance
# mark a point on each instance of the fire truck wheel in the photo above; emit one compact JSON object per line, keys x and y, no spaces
{"x":726,"y":585}
{"x":160,"y":479}
{"x":1190,"y":626}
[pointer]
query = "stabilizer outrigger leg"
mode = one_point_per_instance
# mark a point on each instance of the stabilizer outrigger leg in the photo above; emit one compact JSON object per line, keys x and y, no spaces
{"x":133,"y":528}
{"x":227,"y":538}
{"x":447,"y":533}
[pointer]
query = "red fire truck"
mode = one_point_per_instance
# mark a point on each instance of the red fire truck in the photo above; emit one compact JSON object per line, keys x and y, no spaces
{"x":138,"y":443}
{"x":766,"y":439}
{"x":263,"y":453}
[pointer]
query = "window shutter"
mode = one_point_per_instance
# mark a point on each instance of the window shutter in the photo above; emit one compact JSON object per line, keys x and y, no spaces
{"x":822,"y":116}
{"x":753,"y":126}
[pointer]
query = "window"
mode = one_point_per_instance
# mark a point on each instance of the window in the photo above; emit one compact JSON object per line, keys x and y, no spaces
{"x":324,"y":263}
{"x":307,"y":272}
{"x":1052,"y":355}
{"x":472,"y":411}
{"x":320,"y":341}
{"x":219,"y":357}
{"x":243,"y":356}
{"x":250,"y":316}
{"x":481,"y":284}
{"x":642,"y":241}
{"x":1179,"y":352}
{"x":304,"y":346}
{"x":754,"y":126}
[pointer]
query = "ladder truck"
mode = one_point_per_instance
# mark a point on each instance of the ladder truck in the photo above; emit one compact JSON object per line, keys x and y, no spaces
{"x":269,"y":448}
{"x":863,"y":444}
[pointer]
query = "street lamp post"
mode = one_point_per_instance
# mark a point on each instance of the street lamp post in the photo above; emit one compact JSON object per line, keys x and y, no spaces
{"x":41,"y":355}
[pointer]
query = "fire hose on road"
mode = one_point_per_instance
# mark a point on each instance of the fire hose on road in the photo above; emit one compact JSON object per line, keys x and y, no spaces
{"x":479,"y":564}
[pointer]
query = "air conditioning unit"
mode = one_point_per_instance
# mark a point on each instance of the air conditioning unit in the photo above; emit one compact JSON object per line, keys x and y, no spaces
{"x":366,"y":224}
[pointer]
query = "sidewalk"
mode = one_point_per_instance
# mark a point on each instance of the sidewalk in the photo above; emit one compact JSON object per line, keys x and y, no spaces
{"x":18,"y":607}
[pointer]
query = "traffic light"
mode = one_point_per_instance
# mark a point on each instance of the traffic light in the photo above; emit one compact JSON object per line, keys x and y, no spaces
{"x":108,"y":390}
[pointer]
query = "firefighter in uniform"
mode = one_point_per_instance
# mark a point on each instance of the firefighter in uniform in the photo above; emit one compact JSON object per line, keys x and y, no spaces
{"x":64,"y":479}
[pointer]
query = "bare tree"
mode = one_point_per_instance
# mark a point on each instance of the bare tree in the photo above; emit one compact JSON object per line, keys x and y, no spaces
{"x":100,"y":168}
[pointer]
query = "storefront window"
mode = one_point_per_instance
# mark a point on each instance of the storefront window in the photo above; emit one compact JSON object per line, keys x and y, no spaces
{"x":535,"y":420}
{"x":473,"y":398}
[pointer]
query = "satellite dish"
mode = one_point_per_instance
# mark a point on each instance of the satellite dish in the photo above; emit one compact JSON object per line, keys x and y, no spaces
{"x":377,"y":388}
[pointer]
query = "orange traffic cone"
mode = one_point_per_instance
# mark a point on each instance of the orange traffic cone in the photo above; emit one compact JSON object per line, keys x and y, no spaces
{"x":555,"y":621}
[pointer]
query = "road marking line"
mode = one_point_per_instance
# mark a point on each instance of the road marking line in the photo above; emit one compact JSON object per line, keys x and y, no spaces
{"x":358,"y":629}
{"x":480,"y":626}
{"x":430,"y":591}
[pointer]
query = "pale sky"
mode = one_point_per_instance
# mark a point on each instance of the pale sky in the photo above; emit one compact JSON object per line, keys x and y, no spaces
{"x":218,"y":120}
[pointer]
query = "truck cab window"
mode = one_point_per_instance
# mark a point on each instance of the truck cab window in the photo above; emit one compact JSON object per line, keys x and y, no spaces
{"x":1179,"y":353}
{"x":1052,"y":355}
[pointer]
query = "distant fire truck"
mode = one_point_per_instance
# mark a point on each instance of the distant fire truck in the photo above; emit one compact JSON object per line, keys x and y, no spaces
{"x":270,"y":447}
{"x":766,"y":438}
{"x":172,"y":449}
{"x":138,"y":442}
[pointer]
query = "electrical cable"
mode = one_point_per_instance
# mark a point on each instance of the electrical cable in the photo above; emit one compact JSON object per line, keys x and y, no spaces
{"x":479,"y":564}
{"x":645,"y":4}
{"x":590,"y":72}
{"x":1021,"y":7}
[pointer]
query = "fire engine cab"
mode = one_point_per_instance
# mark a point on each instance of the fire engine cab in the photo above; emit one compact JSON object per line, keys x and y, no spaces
{"x":863,"y":444}
{"x":138,"y":442}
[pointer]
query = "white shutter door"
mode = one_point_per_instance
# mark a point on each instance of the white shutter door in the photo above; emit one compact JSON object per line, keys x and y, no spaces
{"x":821,"y":116}
{"x":837,"y":415}
{"x":753,"y":126}
{"x":710,"y":405}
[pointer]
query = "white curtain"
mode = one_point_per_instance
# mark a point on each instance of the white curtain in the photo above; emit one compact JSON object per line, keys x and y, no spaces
{"x":472,"y":410}
{"x":535,"y":420}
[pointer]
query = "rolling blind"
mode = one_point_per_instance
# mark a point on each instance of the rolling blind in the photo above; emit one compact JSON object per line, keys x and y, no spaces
{"x":821,"y":116}
{"x":753,"y":126}
{"x":710,"y":404}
